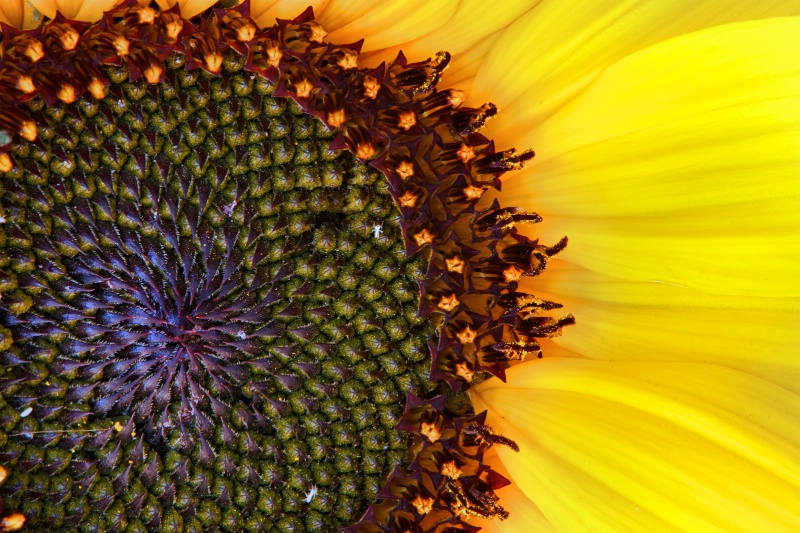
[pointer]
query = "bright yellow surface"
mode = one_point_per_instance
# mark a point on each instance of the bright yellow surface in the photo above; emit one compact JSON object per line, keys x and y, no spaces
{"x":553,"y":52}
{"x":11,"y":12}
{"x":610,"y":446}
{"x":87,"y":10}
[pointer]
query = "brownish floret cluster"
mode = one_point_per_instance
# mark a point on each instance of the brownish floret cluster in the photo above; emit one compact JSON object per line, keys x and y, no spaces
{"x":441,"y":174}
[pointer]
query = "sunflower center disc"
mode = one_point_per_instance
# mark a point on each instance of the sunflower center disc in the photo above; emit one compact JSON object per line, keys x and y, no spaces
{"x":207,"y":317}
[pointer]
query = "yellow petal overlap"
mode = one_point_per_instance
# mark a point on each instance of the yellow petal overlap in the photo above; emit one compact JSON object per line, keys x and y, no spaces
{"x":609,"y":446}
{"x":550,"y":54}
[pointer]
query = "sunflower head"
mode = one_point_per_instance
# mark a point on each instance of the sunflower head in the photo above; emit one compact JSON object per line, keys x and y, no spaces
{"x":213,"y":304}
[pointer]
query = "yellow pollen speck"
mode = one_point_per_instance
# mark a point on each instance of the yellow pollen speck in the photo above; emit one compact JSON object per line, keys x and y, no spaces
{"x":336,"y":118}
{"x":465,"y":153}
{"x":122,"y":45}
{"x":349,"y":60}
{"x":12,"y":522}
{"x":318,"y":33}
{"x":147,"y":15}
{"x":66,"y":93}
{"x":451,"y":470}
{"x":303,"y":88}
{"x":466,"y":335}
{"x":463,"y":371}
{"x":174,"y":29}
{"x":422,"y":505}
{"x":409,"y":199}
{"x":454,"y":264}
{"x":34,"y":51}
{"x":448,"y":303}
{"x":118,"y":427}
{"x":213,"y":62}
{"x":456,"y":98}
{"x":25,"y":84}
{"x":406,"y":120}
{"x":512,"y":273}
{"x":69,"y":39}
{"x":365,"y":150}
{"x":371,"y":87}
{"x":405,"y":169}
{"x":246,"y":33}
{"x":28,"y":130}
{"x":423,"y":237}
{"x":96,"y":89}
{"x":5,"y":165}
{"x":430,"y":431}
{"x":473,"y":193}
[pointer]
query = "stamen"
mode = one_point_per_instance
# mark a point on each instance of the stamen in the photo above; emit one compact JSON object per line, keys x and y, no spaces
{"x":454,"y":264}
{"x":463,"y":371}
{"x":12,"y":522}
{"x":153,"y":73}
{"x":473,"y":193}
{"x":27,"y":130}
{"x":456,"y":97}
{"x":173,"y":28}
{"x":274,"y":55}
{"x":408,"y":199}
{"x":69,"y":39}
{"x":450,"y":469}
{"x":6,"y":164}
{"x":349,"y":59}
{"x":407,"y":120}
{"x":405,"y":169}
{"x":422,"y":504}
{"x":147,"y":15}
{"x":66,"y":94}
{"x":431,"y":431}
{"x":213,"y":62}
{"x":303,"y":88}
{"x":25,"y":84}
{"x":122,"y":45}
{"x":466,"y":335}
{"x":371,"y":87}
{"x":336,"y":118}
{"x":96,"y":89}
{"x":423,"y":237}
{"x":466,"y":153}
{"x":316,"y":32}
{"x":34,"y":50}
{"x":512,"y":274}
{"x":485,"y":437}
{"x":245,"y":32}
{"x":448,"y":302}
{"x":365,"y":150}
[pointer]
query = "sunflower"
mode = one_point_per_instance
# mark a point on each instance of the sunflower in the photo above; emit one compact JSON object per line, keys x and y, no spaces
{"x":667,"y":149}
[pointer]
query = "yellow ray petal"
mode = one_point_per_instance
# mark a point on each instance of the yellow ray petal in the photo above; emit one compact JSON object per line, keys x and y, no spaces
{"x":625,"y":320}
{"x":11,"y":12}
{"x":525,"y":516}
{"x":747,"y":249}
{"x":469,"y":25}
{"x":642,"y":136}
{"x":86,"y":10}
{"x":383,"y":24}
{"x":682,"y":171}
{"x":619,"y":447}
{"x":553,"y":52}
{"x":264,"y":12}
{"x":189,"y":8}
